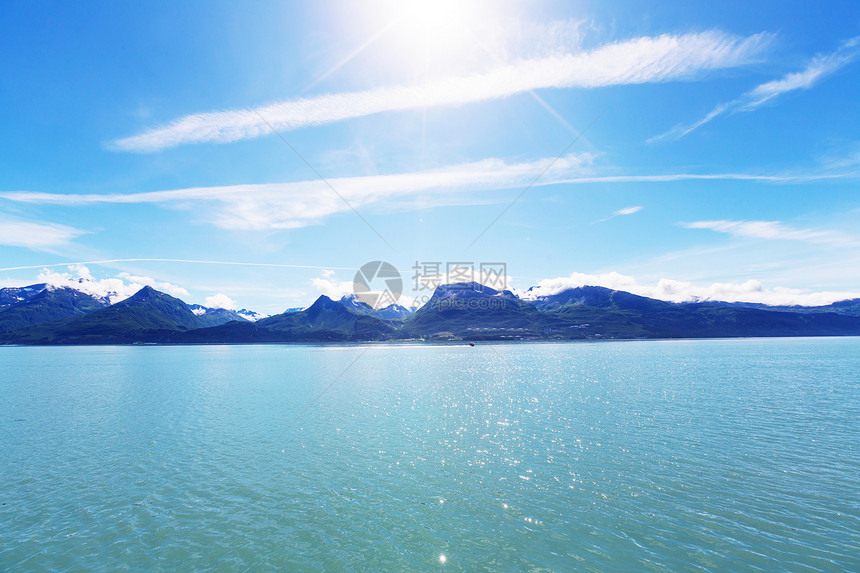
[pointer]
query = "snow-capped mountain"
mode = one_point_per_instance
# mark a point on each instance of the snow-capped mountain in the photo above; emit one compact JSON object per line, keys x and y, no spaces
{"x":394,"y":312}
{"x":390,"y":312}
{"x":215,"y":316}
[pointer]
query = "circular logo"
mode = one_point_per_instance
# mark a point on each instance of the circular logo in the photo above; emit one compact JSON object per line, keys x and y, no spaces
{"x":377,"y":284}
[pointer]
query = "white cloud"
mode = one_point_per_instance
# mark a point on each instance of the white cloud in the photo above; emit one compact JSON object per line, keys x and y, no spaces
{"x":819,"y":68}
{"x":220,"y":301}
{"x":333,"y":288}
{"x":35,"y":235}
{"x":771,"y":230}
{"x":113,"y":289}
{"x":636,"y":61}
{"x":629,"y":210}
{"x":622,"y":212}
{"x":680,"y":291}
{"x":136,"y":283}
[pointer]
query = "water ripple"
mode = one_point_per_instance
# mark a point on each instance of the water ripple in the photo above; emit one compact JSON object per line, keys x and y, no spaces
{"x":656,"y":456}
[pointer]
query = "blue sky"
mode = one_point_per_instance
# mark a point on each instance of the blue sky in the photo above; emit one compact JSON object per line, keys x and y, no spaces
{"x":720,"y":156}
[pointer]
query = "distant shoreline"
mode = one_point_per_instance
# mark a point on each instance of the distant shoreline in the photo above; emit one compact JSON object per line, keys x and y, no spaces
{"x":452,"y":343}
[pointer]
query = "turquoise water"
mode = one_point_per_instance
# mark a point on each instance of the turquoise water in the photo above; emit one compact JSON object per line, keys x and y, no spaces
{"x":720,"y":455}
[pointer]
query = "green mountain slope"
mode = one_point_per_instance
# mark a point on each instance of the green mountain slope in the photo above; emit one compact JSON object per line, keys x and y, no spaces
{"x":470,"y":310}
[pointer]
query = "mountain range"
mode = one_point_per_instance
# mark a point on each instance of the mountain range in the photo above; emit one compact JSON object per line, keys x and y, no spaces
{"x":45,"y":315}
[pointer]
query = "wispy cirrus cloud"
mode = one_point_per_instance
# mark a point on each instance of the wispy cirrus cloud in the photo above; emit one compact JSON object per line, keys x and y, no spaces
{"x":635,"y":61}
{"x":299,"y":204}
{"x":799,"y":177}
{"x":628,"y":210}
{"x":303,"y":203}
{"x":818,"y":68}
{"x":37,"y":235}
{"x":772,"y":230}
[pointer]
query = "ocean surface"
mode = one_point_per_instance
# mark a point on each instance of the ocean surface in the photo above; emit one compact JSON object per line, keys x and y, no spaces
{"x":707,"y":455}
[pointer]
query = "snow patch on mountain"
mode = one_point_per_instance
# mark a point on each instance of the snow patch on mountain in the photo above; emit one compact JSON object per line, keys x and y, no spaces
{"x":251,"y":315}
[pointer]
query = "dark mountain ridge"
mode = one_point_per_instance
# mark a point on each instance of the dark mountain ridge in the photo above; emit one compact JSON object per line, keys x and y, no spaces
{"x":144,"y":317}
{"x":330,"y":318}
{"x":850,"y":307}
{"x":14,"y":295}
{"x":460,"y":311}
{"x":324,"y":321}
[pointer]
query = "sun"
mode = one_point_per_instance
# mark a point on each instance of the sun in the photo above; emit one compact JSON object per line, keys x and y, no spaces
{"x":439,"y":15}
{"x":435,"y":31}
